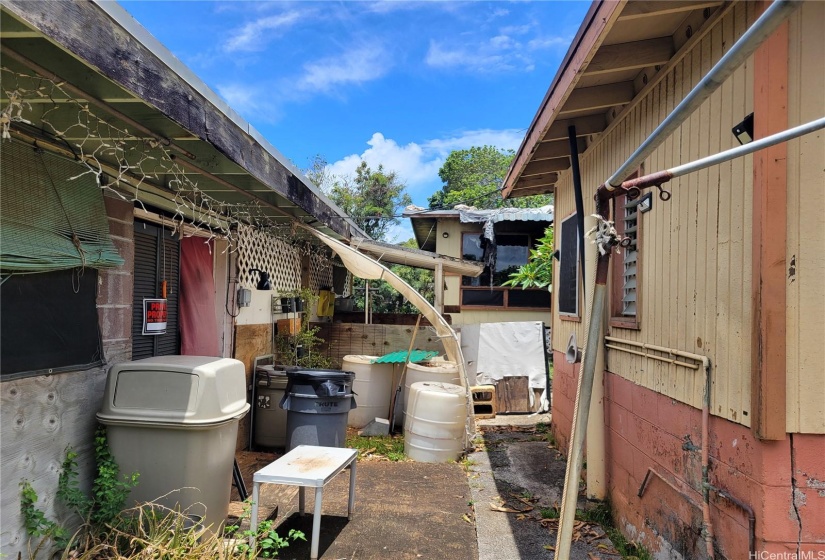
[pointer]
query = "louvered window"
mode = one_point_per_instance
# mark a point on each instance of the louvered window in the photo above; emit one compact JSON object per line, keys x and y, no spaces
{"x":626,"y":265}
{"x":157,"y":259}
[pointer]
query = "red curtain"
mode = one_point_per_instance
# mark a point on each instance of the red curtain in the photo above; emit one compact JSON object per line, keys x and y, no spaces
{"x":197,"y":319}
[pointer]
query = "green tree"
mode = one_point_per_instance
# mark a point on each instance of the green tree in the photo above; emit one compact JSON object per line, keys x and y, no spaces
{"x":538,"y":272}
{"x":475,"y":176}
{"x":385,"y":299}
{"x":372,"y":198}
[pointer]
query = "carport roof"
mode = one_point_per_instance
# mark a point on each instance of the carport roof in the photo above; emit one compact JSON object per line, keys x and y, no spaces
{"x":128,"y":78}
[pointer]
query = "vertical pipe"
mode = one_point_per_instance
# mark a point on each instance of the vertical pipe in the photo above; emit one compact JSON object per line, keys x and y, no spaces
{"x":581,"y":411}
{"x":577,"y":190}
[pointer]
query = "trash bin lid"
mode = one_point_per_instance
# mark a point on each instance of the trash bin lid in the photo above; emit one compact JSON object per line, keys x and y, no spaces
{"x":315,"y":374}
{"x":175,"y":390}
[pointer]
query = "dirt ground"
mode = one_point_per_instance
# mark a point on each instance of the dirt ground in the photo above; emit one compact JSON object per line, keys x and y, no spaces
{"x":490,"y":506}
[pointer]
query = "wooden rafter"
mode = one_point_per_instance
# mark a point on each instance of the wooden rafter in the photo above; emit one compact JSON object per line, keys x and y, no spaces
{"x":648,"y":8}
{"x":545,"y":166}
{"x":598,"y":97}
{"x":630,"y":56}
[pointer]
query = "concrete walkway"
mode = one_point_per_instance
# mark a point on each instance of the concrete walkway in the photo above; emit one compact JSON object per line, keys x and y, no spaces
{"x":515,"y":468}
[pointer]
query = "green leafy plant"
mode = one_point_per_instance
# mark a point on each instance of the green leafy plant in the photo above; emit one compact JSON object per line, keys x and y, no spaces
{"x":109,"y":489}
{"x":109,"y":493}
{"x":306,"y":338}
{"x":267,"y":541}
{"x":538,"y":272}
{"x":386,"y":447}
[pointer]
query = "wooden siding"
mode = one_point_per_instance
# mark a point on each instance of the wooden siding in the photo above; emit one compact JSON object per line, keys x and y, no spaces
{"x":806,"y":226}
{"x":696,"y":282}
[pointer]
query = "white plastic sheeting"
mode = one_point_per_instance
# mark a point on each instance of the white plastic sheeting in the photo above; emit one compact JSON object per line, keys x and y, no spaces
{"x":497,"y":350}
{"x":367,"y":268}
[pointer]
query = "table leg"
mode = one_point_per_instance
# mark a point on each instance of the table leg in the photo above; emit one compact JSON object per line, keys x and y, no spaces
{"x":316,"y":523}
{"x":301,"y":500}
{"x":253,"y":520}
{"x":351,"y":503}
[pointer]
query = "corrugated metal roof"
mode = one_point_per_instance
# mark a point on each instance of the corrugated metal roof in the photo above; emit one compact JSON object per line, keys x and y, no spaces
{"x":400,"y":357}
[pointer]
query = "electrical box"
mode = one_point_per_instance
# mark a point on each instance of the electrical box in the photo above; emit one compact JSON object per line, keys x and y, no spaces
{"x":244,"y":297}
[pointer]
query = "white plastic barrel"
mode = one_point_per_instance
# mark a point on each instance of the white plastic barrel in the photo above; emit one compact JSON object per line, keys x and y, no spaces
{"x":372,"y":388}
{"x":434,"y":425}
{"x":440,"y":371}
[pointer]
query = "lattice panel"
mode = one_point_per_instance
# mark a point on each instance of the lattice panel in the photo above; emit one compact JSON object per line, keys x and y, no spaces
{"x":320,"y":273}
{"x":281,"y":260}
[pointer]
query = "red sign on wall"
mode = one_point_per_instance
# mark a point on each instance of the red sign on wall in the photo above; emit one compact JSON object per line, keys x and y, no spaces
{"x":154,"y":316}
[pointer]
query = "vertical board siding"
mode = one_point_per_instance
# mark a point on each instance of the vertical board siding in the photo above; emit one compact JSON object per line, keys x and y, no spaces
{"x":806,"y":226}
{"x":695,"y":258}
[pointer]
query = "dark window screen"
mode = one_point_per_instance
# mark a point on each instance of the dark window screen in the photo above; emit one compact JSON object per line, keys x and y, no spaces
{"x":49,"y":322}
{"x":537,"y":299}
{"x":569,"y":268}
{"x":491,"y":298}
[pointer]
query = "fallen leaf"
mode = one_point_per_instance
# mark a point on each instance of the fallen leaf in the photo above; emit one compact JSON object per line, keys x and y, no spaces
{"x":592,"y":556}
{"x":494,"y":507}
{"x":550,"y":548}
{"x":466,"y":518}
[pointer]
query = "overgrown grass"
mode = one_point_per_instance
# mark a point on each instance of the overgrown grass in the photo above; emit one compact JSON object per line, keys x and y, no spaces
{"x":386,"y":447}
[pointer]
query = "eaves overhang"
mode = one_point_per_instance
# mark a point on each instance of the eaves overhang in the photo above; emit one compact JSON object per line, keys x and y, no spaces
{"x":613,"y":59}
{"x":98,"y":48}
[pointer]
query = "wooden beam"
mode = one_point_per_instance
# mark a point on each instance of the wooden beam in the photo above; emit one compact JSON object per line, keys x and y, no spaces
{"x":89,"y":34}
{"x":770,"y":207}
{"x":545,"y":166}
{"x":643,"y":9}
{"x":537,"y":180}
{"x":630,"y":56}
{"x":598,"y":97}
{"x":519,"y":192}
{"x":584,"y":126}
{"x":556,"y":149}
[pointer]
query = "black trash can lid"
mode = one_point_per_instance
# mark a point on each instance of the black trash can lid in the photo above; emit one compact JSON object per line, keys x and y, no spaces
{"x":316,"y":374}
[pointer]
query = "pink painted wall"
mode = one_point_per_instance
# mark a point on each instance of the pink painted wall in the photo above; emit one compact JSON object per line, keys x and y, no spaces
{"x":782,"y":481}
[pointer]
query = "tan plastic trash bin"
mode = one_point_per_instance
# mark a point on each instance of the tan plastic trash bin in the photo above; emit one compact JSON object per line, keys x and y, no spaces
{"x":174,"y":420}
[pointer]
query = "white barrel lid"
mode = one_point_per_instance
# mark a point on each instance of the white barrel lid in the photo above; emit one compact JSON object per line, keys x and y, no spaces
{"x":359,"y":359}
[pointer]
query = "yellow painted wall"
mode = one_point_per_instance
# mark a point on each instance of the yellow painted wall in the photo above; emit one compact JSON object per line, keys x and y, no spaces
{"x":695,"y":283}
{"x":451,"y":246}
{"x":806,"y":224}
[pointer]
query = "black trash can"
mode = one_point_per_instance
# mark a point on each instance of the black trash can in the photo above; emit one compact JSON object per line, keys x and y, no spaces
{"x":269,"y":419}
{"x":317,"y":402}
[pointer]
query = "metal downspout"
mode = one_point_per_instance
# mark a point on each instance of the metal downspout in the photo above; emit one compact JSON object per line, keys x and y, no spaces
{"x":739,"y":52}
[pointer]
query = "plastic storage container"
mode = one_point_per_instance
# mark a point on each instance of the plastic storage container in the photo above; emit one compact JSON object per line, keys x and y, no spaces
{"x":174,"y":420}
{"x":373,"y":387}
{"x":270,"y":418}
{"x":317,"y":402}
{"x":434,"y":425}
{"x":436,"y":370}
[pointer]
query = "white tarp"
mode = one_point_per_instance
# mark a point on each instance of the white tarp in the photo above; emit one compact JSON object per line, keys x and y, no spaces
{"x":367,"y":268}
{"x":497,"y":350}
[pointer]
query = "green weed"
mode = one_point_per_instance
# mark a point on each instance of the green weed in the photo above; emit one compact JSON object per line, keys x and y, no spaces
{"x":389,"y":447}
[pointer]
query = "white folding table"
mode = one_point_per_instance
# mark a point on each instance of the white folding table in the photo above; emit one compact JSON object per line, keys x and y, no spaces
{"x":306,"y":465}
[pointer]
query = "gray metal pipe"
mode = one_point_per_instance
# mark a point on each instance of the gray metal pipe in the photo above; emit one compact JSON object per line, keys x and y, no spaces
{"x":739,"y":52}
{"x":748,"y":148}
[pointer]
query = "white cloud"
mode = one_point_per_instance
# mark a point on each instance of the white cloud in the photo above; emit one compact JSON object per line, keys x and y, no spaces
{"x":254,"y":35}
{"x":417,"y":164}
{"x":250,"y":101}
{"x":499,"y":54}
{"x":541,"y":43}
{"x":356,"y":66}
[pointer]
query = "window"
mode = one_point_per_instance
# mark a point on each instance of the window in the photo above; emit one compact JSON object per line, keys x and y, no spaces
{"x":49,"y":323}
{"x":624,"y":294}
{"x":512,"y":251}
{"x":569,"y":268}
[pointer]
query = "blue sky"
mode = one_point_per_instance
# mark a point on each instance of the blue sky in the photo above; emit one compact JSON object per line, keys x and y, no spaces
{"x":399,"y":83}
